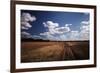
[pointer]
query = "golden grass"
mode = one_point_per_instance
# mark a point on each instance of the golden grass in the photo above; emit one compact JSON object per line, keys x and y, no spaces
{"x":53,"y":51}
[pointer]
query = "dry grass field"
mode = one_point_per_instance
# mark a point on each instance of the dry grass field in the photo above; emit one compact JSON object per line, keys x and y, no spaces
{"x":54,"y":51}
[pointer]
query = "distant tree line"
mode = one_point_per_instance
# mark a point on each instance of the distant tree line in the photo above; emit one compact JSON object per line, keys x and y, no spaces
{"x":42,"y":40}
{"x":31,"y":39}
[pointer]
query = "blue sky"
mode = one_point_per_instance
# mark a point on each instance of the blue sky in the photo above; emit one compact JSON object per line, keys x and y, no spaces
{"x":54,"y":25}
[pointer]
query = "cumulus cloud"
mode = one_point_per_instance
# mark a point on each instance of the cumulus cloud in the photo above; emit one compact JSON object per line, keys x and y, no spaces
{"x":74,"y":35}
{"x":36,"y":37}
{"x":84,"y":30}
{"x":64,"y":33}
{"x":68,"y":25}
{"x":25,"y":19}
{"x":47,"y":35}
{"x":85,"y":22}
{"x":25,"y":25}
{"x":82,"y":33}
{"x":62,"y":30}
{"x":26,"y":35}
{"x":50,"y":24}
{"x":54,"y":29}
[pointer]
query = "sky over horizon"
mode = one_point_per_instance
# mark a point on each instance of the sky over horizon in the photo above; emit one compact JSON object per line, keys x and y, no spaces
{"x":54,"y":25}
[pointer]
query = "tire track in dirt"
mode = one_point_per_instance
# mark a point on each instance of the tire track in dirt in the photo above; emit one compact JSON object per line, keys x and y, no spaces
{"x":68,"y":54}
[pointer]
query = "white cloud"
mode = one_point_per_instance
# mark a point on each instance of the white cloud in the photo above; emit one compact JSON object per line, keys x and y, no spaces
{"x":22,"y":27}
{"x":64,"y":33}
{"x":68,"y":25}
{"x":25,"y":35}
{"x":85,"y":22}
{"x":36,"y":37}
{"x":25,"y":25}
{"x":50,"y":24}
{"x":25,"y":18}
{"x":74,"y":35}
{"x":63,"y":37}
{"x":54,"y":29}
{"x":61,"y":30}
{"x":82,"y":34}
{"x":84,"y":30}
{"x":47,"y":35}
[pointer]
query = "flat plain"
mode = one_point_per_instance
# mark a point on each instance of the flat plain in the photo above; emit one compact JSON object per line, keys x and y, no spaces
{"x":42,"y":51}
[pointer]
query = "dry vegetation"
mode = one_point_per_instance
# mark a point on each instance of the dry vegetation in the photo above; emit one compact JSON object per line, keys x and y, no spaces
{"x":54,"y":51}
